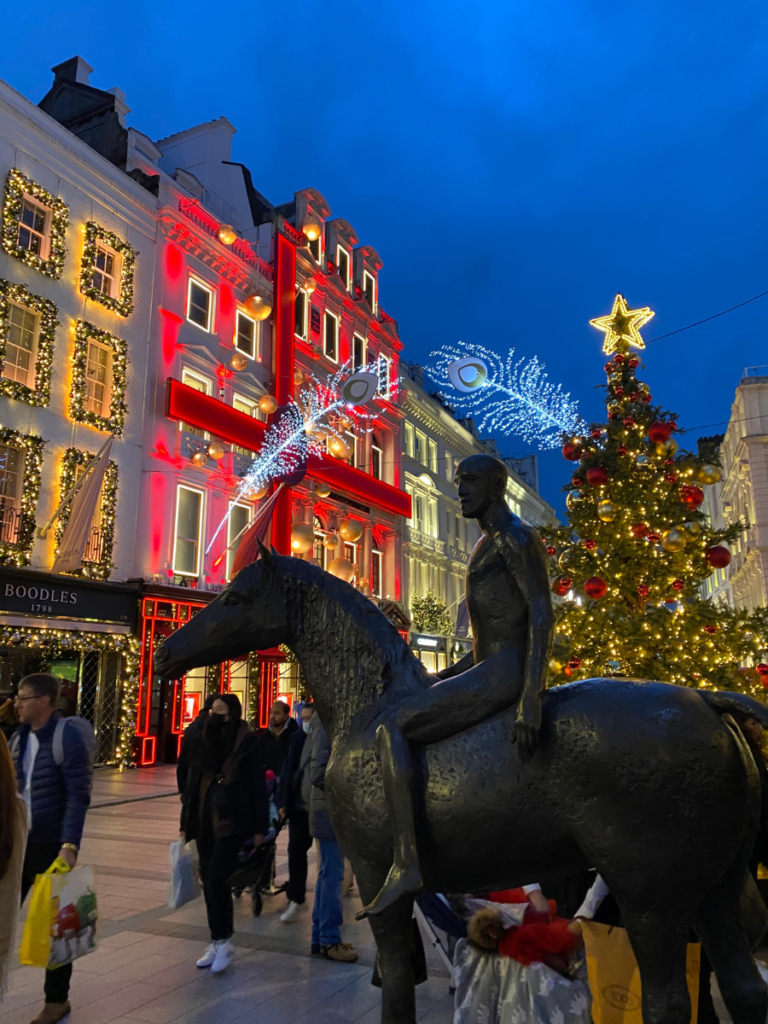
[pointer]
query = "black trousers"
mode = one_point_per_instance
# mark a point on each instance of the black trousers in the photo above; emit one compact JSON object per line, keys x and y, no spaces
{"x":218,"y":860}
{"x":299,"y":843}
{"x":37,"y":859}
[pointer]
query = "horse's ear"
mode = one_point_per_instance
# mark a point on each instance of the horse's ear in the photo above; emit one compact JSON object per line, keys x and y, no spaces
{"x":266,"y":554}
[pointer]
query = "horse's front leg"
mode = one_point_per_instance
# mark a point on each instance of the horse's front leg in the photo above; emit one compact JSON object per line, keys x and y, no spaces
{"x":392,"y":931}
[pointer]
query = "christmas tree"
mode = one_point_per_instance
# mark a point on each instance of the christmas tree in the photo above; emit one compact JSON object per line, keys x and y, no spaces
{"x":630,"y":564}
{"x":431,"y":615}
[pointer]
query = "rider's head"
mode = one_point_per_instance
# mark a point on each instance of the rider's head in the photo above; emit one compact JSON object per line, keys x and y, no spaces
{"x":480,"y":481}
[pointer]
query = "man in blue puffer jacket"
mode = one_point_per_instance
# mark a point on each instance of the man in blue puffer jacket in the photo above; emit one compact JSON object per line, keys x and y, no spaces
{"x":54,"y":773}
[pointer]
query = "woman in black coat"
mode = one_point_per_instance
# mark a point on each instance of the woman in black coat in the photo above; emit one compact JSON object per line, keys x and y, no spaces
{"x":224,"y":804}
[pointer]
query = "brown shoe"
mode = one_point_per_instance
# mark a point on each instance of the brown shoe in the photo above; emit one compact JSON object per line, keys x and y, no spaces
{"x":342,"y":952}
{"x":51,"y":1013}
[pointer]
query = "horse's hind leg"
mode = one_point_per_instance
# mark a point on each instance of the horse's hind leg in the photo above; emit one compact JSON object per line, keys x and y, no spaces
{"x":721,"y":929}
{"x":392,"y":931}
{"x":659,"y":944}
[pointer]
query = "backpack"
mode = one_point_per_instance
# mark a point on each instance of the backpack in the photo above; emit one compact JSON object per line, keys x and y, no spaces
{"x":85,"y":730}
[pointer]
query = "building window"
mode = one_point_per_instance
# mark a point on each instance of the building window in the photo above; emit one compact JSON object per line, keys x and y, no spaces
{"x":21,"y":456}
{"x":377,"y":461}
{"x":319,"y":552}
{"x":316,"y":249}
{"x":377,"y":572}
{"x":199,"y":304}
{"x":97,"y":556}
{"x":300,"y":315}
{"x":104,"y":271}
{"x":27,"y":327}
{"x":418,"y":510}
{"x":420,"y":447}
{"x":239,"y":517}
{"x":369,"y":289}
{"x":21,"y":345}
{"x":250,"y":409}
{"x":186,"y":543}
{"x":201,"y":384}
{"x":433,"y":455}
{"x":34,"y":225}
{"x":358,"y":352}
{"x":107,"y":270}
{"x":350,"y":553}
{"x":409,"y":441}
{"x":448,"y":466}
{"x":11,"y":468}
{"x":342,"y":261}
{"x":383,"y":372}
{"x":245,"y":334}
{"x":99,"y":378}
{"x":432,"y":509}
{"x":332,"y":337}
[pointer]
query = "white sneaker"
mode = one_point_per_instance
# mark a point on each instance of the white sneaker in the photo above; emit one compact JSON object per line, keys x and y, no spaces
{"x":209,"y":955}
{"x":223,"y":958}
{"x":291,"y":912}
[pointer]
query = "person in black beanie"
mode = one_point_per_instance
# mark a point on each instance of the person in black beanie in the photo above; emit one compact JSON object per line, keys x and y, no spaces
{"x":224,"y":805}
{"x":192,"y":737}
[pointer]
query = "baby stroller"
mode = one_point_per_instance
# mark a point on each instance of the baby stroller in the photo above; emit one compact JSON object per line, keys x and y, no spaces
{"x":443,"y":928}
{"x":256,"y":871}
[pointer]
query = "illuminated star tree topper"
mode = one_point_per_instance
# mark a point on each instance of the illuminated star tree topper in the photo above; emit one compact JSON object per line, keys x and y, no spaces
{"x":622,"y":327}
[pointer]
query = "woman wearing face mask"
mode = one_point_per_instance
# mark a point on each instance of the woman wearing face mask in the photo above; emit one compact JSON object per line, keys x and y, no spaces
{"x":224,"y":804}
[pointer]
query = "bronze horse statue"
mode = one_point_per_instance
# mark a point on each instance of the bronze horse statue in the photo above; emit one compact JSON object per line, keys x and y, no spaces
{"x":643,"y":781}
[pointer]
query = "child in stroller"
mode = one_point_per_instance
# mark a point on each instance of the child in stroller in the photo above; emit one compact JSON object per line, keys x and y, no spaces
{"x":256,"y":870}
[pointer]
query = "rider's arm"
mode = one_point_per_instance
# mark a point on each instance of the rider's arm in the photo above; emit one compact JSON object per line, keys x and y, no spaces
{"x":461,"y":666}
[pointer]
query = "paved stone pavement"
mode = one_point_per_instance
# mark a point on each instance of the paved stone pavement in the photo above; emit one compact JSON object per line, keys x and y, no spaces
{"x":144,"y":969}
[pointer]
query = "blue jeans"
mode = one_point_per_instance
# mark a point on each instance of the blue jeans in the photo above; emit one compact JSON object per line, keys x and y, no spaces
{"x":327,"y":915}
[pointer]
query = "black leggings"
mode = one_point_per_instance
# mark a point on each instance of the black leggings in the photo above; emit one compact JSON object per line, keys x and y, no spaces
{"x":218,"y":861}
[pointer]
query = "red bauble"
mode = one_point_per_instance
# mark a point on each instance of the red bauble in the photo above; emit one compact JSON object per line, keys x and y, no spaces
{"x":629,"y":422}
{"x":673,"y":424}
{"x":619,"y":392}
{"x":762,"y":669}
{"x":590,"y":544}
{"x":677,"y":585}
{"x":618,"y":358}
{"x":621,"y":450}
{"x":572,"y":451}
{"x":645,"y":398}
{"x":576,"y":481}
{"x":633,"y":363}
{"x":561,"y":585}
{"x":550,"y":550}
{"x":659,"y":432}
{"x":671,"y":478}
{"x":643,"y":590}
{"x":595,"y":587}
{"x":639,"y":530}
{"x":718,"y":557}
{"x":653,"y":536}
{"x":596,"y":433}
{"x":692,"y":497}
{"x":669,"y":462}
{"x":613,"y":415}
{"x":710,"y":628}
{"x":608,"y":367}
{"x":574,"y":663}
{"x":634,"y":396}
{"x":597,"y":476}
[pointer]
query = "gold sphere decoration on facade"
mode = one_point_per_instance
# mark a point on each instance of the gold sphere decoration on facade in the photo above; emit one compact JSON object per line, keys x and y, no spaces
{"x":330,"y":541}
{"x":338,"y":446}
{"x":311,"y":228}
{"x":216,"y":450}
{"x":227,"y":234}
{"x":260,"y":492}
{"x":309,"y":285}
{"x":606,"y":511}
{"x":199,"y":459}
{"x":342,"y":568}
{"x":267,"y":404}
{"x":257,"y":306}
{"x":673,"y":540}
{"x":709,"y":474}
{"x":351,"y":530}
{"x":239,"y":360}
{"x":298,"y":376}
{"x":322,"y":490}
{"x":345,"y":423}
{"x":364,"y":582}
{"x":302,"y":538}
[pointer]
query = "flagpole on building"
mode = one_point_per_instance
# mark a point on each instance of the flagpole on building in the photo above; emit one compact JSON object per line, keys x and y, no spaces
{"x":42,"y":531}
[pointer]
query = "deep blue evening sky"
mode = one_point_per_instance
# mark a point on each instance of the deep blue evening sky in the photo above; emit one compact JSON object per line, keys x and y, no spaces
{"x":514,"y":164}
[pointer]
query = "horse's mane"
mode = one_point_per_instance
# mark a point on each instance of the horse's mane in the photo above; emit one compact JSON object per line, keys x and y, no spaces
{"x":351,"y":640}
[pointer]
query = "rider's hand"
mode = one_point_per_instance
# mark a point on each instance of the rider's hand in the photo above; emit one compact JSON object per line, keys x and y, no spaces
{"x":527,"y":727}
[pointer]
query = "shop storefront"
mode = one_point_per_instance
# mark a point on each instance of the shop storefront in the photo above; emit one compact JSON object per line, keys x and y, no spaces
{"x":82,"y":631}
{"x":438,"y":652}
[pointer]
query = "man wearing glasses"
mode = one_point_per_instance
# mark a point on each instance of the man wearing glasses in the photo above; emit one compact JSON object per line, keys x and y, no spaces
{"x":54,"y":774}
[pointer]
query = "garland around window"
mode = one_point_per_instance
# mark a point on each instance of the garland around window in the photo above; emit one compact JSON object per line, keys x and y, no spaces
{"x":16,"y":187}
{"x":46,"y":329}
{"x":73,"y":458}
{"x":18,"y":552}
{"x":94,"y":233}
{"x":113,"y":423}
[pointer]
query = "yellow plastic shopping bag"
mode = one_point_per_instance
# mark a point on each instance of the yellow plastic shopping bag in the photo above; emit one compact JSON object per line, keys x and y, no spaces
{"x":614,"y":977}
{"x":61,"y":923}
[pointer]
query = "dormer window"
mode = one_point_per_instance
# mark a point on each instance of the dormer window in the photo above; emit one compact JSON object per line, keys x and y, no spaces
{"x":369,"y":289}
{"x":315,"y":250}
{"x":342,"y":262}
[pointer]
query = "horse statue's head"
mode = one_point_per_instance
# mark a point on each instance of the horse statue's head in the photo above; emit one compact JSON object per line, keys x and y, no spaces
{"x":249,"y":615}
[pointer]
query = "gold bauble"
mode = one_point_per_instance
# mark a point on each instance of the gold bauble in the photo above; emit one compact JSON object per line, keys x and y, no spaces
{"x":216,"y":450}
{"x":709,"y":474}
{"x":606,"y":511}
{"x":574,"y":497}
{"x":258,"y":307}
{"x":351,"y":530}
{"x":227,"y":234}
{"x":309,"y":285}
{"x":267,"y":404}
{"x":298,"y":376}
{"x":690,"y":530}
{"x":555,"y":666}
{"x":260,"y":492}
{"x":666,"y":449}
{"x":673,"y":540}
{"x":345,"y":423}
{"x":311,"y":228}
{"x":239,"y":361}
{"x":322,"y":490}
{"x":364,"y":582}
{"x":302,"y":538}
{"x":342,"y":568}
{"x":330,"y":541}
{"x":199,"y":459}
{"x":338,"y":446}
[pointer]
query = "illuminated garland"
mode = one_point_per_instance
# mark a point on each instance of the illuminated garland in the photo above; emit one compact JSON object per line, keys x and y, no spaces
{"x":46,"y":311}
{"x":94,"y":233}
{"x":73,"y":458}
{"x":114,"y":423}
{"x":125,"y":751}
{"x":32,"y":446}
{"x":16,"y":187}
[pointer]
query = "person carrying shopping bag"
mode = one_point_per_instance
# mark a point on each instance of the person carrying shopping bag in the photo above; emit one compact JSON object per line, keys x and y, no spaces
{"x":54,"y":769}
{"x":224,"y":805}
{"x":13,"y":842}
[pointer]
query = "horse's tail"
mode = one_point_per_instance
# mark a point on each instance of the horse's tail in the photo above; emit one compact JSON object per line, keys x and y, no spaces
{"x":724,"y":702}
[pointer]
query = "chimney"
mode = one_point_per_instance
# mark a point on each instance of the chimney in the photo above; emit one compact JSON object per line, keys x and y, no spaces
{"x":73,"y":70}
{"x":121,"y":106}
